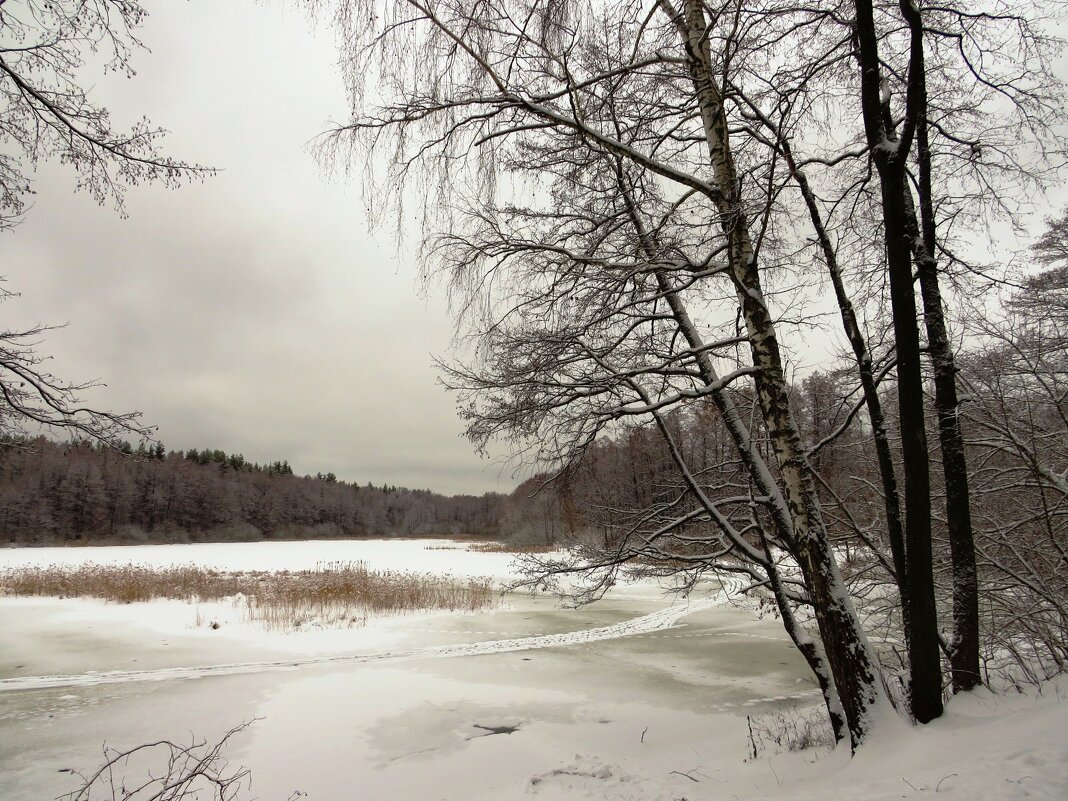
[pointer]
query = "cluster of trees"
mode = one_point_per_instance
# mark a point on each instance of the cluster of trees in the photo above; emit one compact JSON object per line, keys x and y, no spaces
{"x":637,"y":203}
{"x":1014,"y":414}
{"x":640,"y":204}
{"x":236,"y":461}
{"x":54,"y":493}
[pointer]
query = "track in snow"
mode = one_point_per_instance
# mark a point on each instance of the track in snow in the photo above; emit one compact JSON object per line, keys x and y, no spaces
{"x":656,"y":621}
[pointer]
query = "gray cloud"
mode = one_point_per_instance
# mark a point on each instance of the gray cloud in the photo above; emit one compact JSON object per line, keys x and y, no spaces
{"x":255,"y":311}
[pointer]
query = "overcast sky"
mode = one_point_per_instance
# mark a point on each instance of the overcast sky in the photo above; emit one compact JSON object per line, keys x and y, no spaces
{"x":254,"y":312}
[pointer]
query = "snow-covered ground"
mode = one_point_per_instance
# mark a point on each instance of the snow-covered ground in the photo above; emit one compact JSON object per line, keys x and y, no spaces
{"x":423,"y":556}
{"x":636,"y":697}
{"x":164,"y":617}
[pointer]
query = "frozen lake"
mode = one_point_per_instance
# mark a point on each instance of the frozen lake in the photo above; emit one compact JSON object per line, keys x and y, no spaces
{"x":393,"y":708}
{"x":404,"y":708}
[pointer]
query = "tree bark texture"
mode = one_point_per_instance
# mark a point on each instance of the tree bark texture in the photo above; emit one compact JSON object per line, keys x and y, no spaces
{"x":964,"y":647}
{"x":852,"y":666}
{"x":889,"y":154}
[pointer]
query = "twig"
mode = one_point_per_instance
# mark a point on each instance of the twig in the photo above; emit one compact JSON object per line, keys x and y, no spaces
{"x":687,"y":775}
{"x":939,"y":785}
{"x":197,"y":765}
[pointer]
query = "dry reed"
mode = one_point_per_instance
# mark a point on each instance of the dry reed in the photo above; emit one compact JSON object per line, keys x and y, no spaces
{"x":510,"y":547}
{"x":333,"y":594}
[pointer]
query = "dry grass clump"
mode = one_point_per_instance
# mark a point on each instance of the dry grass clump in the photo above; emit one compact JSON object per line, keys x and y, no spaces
{"x":511,"y":547}
{"x":125,"y":583}
{"x":332,"y":594}
{"x":790,"y":729}
{"x":346,"y":593}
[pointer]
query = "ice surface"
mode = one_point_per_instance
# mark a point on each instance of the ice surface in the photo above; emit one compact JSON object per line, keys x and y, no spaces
{"x":632,"y":699}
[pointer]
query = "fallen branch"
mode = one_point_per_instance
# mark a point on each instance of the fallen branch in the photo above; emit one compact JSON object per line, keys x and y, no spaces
{"x":165,"y":771}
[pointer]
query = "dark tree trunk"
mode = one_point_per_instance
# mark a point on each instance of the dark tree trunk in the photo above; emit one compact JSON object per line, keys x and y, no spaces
{"x":964,"y":648}
{"x":890,"y":155}
{"x":857,"y":341}
{"x":921,"y":618}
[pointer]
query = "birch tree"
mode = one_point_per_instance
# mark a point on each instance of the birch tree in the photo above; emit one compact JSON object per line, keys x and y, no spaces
{"x":624,"y":110}
{"x":610,"y":190}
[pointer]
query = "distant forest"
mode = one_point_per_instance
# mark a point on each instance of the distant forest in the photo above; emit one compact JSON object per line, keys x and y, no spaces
{"x":83,"y":493}
{"x":80,"y":493}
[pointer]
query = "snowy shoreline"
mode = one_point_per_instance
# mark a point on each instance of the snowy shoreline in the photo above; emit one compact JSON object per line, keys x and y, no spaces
{"x":635,"y":698}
